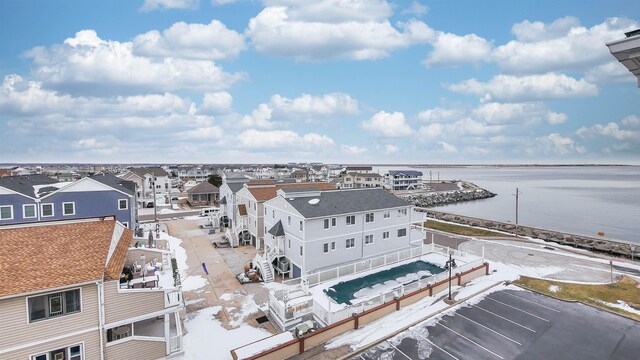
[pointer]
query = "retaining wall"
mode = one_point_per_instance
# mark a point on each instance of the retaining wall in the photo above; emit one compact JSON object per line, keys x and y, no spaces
{"x":320,"y":336}
{"x":617,"y":247}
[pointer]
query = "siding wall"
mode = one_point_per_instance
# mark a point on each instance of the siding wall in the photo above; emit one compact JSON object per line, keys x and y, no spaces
{"x":91,"y":204}
{"x":16,"y":330}
{"x":16,"y":201}
{"x":125,"y":305}
{"x":136,"y":349}
{"x":90,"y":339}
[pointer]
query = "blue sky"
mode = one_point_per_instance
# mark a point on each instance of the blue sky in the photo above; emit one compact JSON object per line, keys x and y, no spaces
{"x":359,"y":81}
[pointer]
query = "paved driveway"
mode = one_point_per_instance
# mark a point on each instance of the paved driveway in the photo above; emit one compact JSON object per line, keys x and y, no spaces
{"x":517,"y":324}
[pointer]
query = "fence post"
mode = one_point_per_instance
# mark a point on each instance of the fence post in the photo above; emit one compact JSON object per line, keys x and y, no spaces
{"x":459,"y":275}
{"x":356,"y":322}
{"x":486,"y":265}
{"x":301,"y":345}
{"x":397,"y":303}
{"x":430,"y":290}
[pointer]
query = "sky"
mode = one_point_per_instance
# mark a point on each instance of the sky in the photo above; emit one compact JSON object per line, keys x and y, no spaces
{"x":335,"y":81}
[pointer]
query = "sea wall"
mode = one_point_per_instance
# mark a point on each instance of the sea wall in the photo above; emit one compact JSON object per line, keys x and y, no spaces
{"x":430,"y":199}
{"x":594,"y":244}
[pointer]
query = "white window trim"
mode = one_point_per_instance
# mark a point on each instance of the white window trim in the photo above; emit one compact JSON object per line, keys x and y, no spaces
{"x":325,"y":248}
{"x":67,"y":355}
{"x":11,"y":211}
{"x":334,"y":222}
{"x":350,"y":247}
{"x":53,"y":210}
{"x":126,"y":207}
{"x":26,"y":300}
{"x":24,"y":212}
{"x":388,"y":235}
{"x":354,"y":220}
{"x":326,"y":223}
{"x":333,"y":246}
{"x":365,"y":239}
{"x":74,"y":208}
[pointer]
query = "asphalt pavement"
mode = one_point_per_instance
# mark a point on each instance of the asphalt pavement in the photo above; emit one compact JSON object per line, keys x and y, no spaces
{"x":514,"y":324}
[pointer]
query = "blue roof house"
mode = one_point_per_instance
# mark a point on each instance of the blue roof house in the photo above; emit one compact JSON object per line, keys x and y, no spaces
{"x":35,"y":198}
{"x":404,"y":179}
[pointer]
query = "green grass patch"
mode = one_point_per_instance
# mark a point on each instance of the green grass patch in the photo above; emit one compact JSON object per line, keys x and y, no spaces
{"x":461,"y":230}
{"x":626,"y":290}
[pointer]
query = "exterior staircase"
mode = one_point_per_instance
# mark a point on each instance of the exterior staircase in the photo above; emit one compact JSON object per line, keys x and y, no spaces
{"x":266,"y":270}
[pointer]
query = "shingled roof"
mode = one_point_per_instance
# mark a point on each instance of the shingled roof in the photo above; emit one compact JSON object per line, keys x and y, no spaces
{"x":268,"y":193}
{"x":42,"y":257}
{"x":156,"y":171}
{"x":24,"y":184}
{"x":345,"y":202}
{"x":126,"y":186}
{"x":204,"y":187}
{"x":277,"y":229}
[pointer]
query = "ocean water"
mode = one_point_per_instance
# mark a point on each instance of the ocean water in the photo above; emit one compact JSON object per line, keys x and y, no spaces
{"x":583,"y":200}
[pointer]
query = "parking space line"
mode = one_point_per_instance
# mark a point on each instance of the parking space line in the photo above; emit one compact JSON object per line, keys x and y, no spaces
{"x":471,"y":341}
{"x":513,"y":307}
{"x":493,"y":331}
{"x":362,"y":357}
{"x":400,"y":351}
{"x":531,"y":301}
{"x":504,"y":318}
{"x":432,"y":343}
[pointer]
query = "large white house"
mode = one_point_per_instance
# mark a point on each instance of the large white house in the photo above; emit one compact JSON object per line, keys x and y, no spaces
{"x":311,"y":230}
{"x":146,"y":178}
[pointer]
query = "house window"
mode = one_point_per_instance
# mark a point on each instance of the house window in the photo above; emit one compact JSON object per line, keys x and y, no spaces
{"x":6,"y":212}
{"x":351,"y":220}
{"x":350,"y":243}
{"x":334,"y":222}
{"x":368,"y":239}
{"x":289,"y":220}
{"x":300,"y":225}
{"x":326,"y":224}
{"x":119,"y":332}
{"x":29,"y":211}
{"x":126,"y":224}
{"x":68,"y":208}
{"x":369,"y":217}
{"x":46,"y":210}
{"x":123,"y":204}
{"x":333,"y":245}
{"x":273,"y":214}
{"x":387,"y":214}
{"x":289,"y":243}
{"x":325,"y":247}
{"x":385,"y":235}
{"x":402,"y":212}
{"x":69,"y":353}
{"x":53,"y":305}
{"x":300,"y":250}
{"x":402,"y":232}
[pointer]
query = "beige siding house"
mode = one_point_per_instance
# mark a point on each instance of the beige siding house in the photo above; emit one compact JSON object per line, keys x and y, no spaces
{"x":74,"y":301}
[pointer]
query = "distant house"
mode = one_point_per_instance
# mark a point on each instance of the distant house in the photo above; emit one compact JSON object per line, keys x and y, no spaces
{"x":356,"y":180}
{"x":189,"y":183}
{"x":362,"y":169}
{"x":203,"y":194}
{"x":61,"y":295}
{"x":299,"y":174}
{"x":318,"y":173}
{"x":37,"y":198}
{"x":230,"y":186}
{"x":253,"y":195}
{"x":145,"y":178}
{"x":308,"y":230}
{"x":404,"y":179}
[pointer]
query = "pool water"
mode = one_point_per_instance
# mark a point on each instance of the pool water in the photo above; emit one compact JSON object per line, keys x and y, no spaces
{"x":346,"y":291}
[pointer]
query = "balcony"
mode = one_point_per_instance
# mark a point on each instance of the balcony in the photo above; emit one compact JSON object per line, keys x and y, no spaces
{"x":150,"y":338}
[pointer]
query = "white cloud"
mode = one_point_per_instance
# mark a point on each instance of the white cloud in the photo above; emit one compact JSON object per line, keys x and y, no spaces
{"x":389,"y":125}
{"x":555,"y":144}
{"x":216,"y":103}
{"x":440,"y":114}
{"x":470,"y":127}
{"x":150,"y":5}
{"x":416,"y":8}
{"x":561,"y":45}
{"x":448,"y":148}
{"x":612,"y":130}
{"x":352,"y":149}
{"x":609,"y":72}
{"x":431,"y":131}
{"x":203,"y":133}
{"x":500,"y":113}
{"x":523,"y":88}
{"x":278,"y":139}
{"x":280,"y":109}
{"x":86,"y":64}
{"x":391,"y":149}
{"x":452,"y":50}
{"x":312,"y":30}
{"x":213,"y":41}
{"x":222,"y":2}
{"x":631,"y":121}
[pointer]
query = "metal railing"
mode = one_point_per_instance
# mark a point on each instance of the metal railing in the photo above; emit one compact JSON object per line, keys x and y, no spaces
{"x":175,"y":344}
{"x":173,"y":298}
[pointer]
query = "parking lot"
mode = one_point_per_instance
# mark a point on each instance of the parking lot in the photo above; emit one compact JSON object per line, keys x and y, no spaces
{"x":512,"y":324}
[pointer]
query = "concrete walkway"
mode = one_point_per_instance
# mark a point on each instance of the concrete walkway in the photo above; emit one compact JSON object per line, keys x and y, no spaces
{"x":221,"y":278}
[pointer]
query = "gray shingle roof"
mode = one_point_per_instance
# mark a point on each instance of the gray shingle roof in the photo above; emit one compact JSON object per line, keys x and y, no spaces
{"x":236,"y":185}
{"x":115,"y":182}
{"x":23,"y":184}
{"x":223,"y":201}
{"x":204,"y":187}
{"x":277,"y":229}
{"x":405,"y":172}
{"x":156,"y":171}
{"x":336,"y":202}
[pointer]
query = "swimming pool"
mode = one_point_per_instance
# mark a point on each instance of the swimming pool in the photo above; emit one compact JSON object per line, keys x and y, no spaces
{"x":376,"y":283}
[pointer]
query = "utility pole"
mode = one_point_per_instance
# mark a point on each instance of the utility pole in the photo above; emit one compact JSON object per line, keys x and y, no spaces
{"x":517,"y":194}
{"x":153,"y":191}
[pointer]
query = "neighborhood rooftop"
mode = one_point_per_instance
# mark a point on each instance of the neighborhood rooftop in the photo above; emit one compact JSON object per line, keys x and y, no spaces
{"x":55,"y":255}
{"x":115,"y":182}
{"x":156,"y":171}
{"x":24,"y":184}
{"x":405,"y":172}
{"x":204,"y":187}
{"x":335,"y":202}
{"x":266,"y":193}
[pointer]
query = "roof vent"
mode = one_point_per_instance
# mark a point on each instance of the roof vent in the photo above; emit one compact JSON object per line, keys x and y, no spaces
{"x":314,"y":201}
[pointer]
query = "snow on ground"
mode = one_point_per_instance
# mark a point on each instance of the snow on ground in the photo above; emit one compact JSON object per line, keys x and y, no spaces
{"x":620,"y":305}
{"x":206,"y":338}
{"x":554,"y":288}
{"x":406,"y":316}
{"x":248,"y":307}
{"x":166,"y":211}
{"x":264,"y":344}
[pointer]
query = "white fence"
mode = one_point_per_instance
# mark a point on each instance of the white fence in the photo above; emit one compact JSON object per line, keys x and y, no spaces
{"x":366,"y":265}
{"x":175,"y":344}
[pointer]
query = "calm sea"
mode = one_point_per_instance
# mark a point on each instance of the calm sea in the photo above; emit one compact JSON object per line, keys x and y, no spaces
{"x":582,"y":199}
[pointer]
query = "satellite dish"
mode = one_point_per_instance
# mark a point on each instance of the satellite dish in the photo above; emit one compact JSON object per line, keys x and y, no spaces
{"x":314,"y":201}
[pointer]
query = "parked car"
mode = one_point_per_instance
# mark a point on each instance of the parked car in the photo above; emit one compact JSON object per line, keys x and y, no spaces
{"x":209,"y":211}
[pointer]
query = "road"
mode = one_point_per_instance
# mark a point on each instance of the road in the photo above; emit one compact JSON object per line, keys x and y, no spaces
{"x":150,"y":217}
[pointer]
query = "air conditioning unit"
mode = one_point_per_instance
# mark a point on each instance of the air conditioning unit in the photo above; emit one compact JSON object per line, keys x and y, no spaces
{"x":283,"y":265}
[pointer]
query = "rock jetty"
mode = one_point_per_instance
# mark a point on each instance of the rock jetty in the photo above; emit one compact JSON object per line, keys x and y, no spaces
{"x":430,"y":199}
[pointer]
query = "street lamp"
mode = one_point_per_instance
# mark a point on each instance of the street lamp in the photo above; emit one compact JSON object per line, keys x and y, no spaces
{"x":451,"y":263}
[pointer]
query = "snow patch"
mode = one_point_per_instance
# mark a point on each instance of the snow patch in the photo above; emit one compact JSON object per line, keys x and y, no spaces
{"x":554,"y":288}
{"x":620,"y":305}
